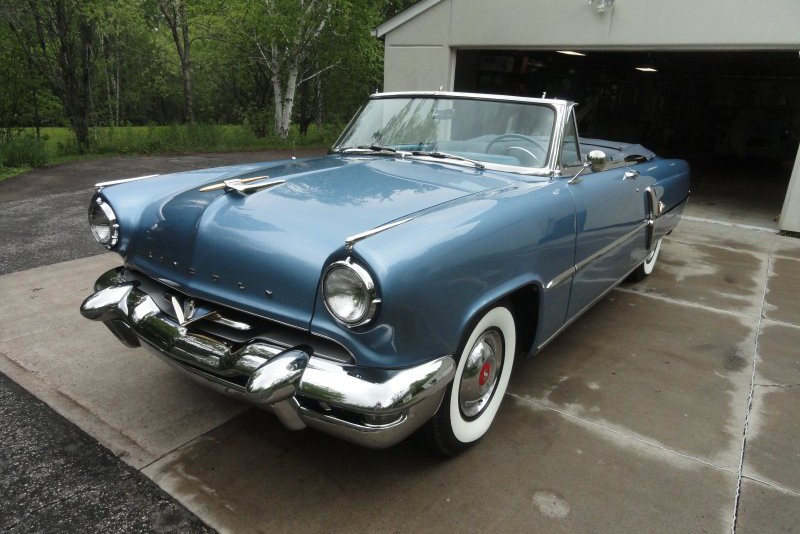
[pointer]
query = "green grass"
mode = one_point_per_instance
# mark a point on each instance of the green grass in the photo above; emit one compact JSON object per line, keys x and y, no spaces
{"x":8,"y":172}
{"x":58,"y":145}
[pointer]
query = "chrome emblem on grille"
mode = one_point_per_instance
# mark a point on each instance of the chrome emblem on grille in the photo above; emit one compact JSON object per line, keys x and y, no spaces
{"x":191,"y":312}
{"x":189,"y":308}
{"x":186,"y":314}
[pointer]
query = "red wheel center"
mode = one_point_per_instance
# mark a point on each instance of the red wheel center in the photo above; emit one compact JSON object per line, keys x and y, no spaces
{"x":484,"y":375}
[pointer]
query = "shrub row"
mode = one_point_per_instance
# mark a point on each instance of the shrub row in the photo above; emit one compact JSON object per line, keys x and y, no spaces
{"x":22,"y":151}
{"x":26,"y":150}
{"x":189,"y":138}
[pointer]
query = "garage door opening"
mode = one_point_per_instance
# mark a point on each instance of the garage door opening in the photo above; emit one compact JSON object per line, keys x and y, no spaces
{"x":734,"y":115}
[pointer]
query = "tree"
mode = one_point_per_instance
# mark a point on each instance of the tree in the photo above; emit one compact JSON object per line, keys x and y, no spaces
{"x":23,"y":100}
{"x":175,"y":13}
{"x":58,"y":37}
{"x":112,"y":62}
{"x":281,"y":35}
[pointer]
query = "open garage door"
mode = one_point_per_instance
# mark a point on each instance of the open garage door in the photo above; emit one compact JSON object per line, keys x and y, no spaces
{"x":735,"y":115}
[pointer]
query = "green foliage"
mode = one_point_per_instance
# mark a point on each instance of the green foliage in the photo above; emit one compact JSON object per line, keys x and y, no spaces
{"x":134,"y":77}
{"x":183,"y":138}
{"x":22,"y":151}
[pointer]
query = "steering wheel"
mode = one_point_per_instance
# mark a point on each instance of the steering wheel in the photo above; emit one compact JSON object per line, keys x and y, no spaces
{"x":530,"y":140}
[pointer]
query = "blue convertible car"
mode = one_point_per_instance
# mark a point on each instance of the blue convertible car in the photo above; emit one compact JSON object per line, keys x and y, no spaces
{"x":389,"y":286}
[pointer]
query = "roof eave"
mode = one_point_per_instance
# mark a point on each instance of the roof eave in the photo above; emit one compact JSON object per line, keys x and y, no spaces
{"x":403,"y":17}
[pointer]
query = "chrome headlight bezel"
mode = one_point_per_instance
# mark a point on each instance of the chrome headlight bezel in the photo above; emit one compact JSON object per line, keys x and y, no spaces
{"x":371,"y":294}
{"x":111,"y":217}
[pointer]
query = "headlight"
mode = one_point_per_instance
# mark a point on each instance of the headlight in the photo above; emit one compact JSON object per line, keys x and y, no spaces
{"x":103,"y":223}
{"x":349,"y":293}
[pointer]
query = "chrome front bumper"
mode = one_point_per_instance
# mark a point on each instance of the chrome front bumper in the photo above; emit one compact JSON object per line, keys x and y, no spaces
{"x":375,"y":408}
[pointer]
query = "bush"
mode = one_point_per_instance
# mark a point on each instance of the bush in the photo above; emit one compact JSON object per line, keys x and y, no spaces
{"x":22,"y":151}
{"x":156,"y":139}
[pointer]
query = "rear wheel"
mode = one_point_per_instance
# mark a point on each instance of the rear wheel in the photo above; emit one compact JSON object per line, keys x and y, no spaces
{"x":473,"y":398}
{"x":647,"y":266}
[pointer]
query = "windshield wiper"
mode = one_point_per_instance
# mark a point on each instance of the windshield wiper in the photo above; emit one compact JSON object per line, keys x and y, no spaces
{"x":445,"y":155}
{"x":374,"y":148}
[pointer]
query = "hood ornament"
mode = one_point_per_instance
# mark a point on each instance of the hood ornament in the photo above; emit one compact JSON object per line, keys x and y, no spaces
{"x":244,"y":186}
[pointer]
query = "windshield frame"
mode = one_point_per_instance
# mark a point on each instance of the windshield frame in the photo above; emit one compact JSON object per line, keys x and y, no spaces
{"x":559,"y":108}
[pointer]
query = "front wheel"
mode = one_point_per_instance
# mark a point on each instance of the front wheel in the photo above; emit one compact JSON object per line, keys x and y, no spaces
{"x":473,"y":398}
{"x":647,"y":266}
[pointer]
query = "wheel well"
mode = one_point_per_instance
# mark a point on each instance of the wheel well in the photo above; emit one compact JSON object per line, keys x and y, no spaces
{"x":525,"y":303}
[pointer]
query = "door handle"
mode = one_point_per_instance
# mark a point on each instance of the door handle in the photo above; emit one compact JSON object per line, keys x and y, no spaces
{"x":630,"y":175}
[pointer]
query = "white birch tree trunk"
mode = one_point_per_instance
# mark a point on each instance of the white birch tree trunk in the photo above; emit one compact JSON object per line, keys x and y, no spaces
{"x":284,"y":92}
{"x":288,"y":102}
{"x":284,"y":57}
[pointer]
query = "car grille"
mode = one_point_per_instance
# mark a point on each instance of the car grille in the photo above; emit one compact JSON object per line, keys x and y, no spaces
{"x":238,"y":328}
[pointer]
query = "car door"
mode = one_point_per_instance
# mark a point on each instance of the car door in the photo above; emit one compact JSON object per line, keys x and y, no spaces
{"x":611,"y":223}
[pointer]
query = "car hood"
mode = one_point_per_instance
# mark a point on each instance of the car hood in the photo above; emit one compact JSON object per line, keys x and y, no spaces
{"x":264,"y":252}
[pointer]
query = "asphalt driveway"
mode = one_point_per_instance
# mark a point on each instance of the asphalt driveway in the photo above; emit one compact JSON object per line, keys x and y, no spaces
{"x":43,"y":215}
{"x":669,"y":407}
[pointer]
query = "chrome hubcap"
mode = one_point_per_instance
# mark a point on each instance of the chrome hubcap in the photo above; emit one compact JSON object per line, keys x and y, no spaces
{"x":481,"y":371}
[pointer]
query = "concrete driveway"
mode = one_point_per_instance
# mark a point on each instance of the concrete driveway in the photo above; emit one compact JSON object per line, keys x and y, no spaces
{"x":671,"y":406}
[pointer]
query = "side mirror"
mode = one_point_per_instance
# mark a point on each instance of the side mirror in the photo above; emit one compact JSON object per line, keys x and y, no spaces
{"x":596,"y":160}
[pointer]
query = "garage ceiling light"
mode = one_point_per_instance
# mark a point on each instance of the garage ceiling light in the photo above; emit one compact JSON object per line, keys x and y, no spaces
{"x":570,"y":53}
{"x":646,"y":69}
{"x":602,"y":5}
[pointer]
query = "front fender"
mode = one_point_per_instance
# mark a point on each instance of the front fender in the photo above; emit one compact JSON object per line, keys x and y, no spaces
{"x":435,"y":273}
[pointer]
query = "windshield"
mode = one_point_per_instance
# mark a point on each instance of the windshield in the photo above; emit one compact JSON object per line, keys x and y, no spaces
{"x":512,"y":134}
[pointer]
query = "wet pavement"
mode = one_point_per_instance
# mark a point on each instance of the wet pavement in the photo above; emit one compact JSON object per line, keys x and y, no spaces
{"x":669,"y":407}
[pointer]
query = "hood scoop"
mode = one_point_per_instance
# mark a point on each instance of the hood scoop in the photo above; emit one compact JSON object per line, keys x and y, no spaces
{"x":244,"y":186}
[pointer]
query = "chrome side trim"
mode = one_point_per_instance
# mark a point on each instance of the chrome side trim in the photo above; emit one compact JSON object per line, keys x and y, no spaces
{"x":101,"y":185}
{"x":353,"y":239}
{"x":563,"y":277}
{"x":586,"y":308}
{"x":572,"y":271}
{"x":611,"y":246}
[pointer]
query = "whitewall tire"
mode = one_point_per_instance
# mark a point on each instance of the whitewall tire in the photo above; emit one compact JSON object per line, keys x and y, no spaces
{"x":647,"y":266}
{"x":479,"y":385}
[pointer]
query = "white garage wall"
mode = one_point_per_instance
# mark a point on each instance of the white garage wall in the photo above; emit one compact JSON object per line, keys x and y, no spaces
{"x":415,"y":58}
{"x":650,"y":24}
{"x":420,"y":43}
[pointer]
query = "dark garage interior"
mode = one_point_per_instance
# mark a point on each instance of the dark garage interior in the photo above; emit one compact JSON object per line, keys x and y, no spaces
{"x":735,"y":115}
